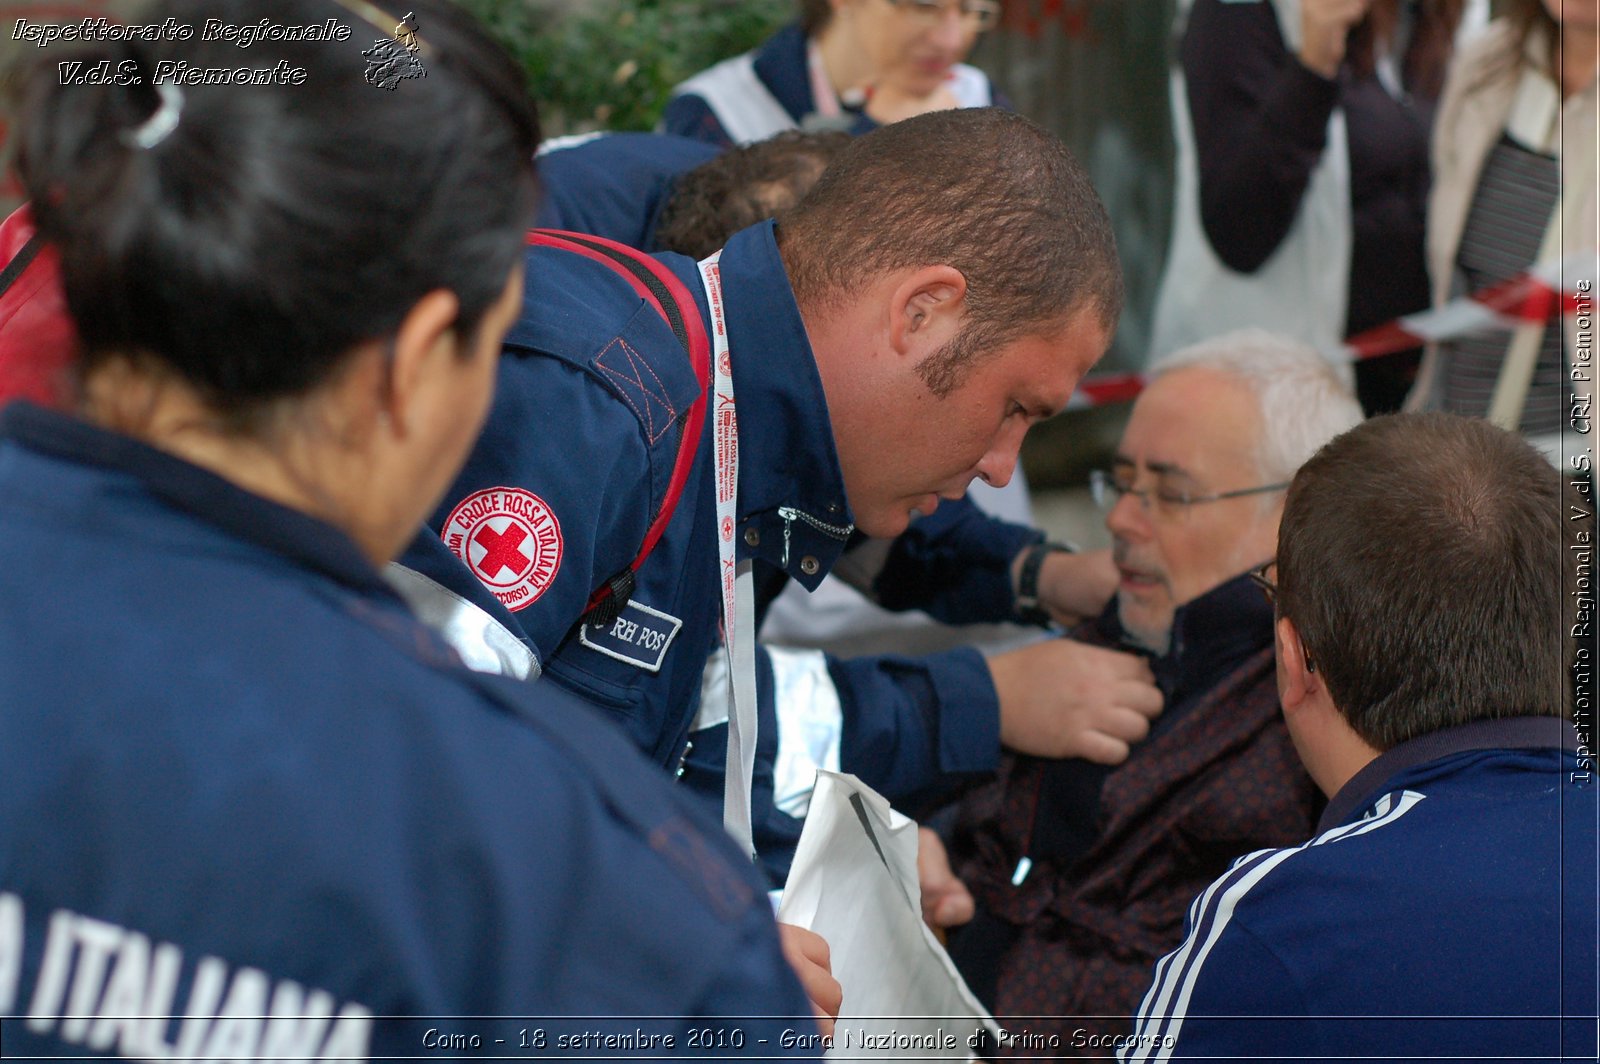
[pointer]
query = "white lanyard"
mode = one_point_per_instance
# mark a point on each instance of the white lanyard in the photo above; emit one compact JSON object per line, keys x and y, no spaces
{"x":738,"y":585}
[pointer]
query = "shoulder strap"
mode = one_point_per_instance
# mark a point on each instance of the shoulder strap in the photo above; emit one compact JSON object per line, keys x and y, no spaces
{"x":19,"y":262}
{"x":660,"y":288}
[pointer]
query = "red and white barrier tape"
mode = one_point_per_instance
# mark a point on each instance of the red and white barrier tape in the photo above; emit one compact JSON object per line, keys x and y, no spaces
{"x":1529,"y":297}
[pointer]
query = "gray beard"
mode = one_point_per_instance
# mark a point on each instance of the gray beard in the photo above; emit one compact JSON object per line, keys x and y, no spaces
{"x":1157,"y":643}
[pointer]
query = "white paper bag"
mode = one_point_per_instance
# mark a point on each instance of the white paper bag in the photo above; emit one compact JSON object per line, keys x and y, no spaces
{"x":854,"y":882}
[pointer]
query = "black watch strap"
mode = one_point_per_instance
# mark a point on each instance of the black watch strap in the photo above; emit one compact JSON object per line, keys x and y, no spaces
{"x":1029,"y":609}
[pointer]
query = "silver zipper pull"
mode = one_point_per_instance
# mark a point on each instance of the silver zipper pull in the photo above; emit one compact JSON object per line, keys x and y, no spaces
{"x":1024,"y":866}
{"x":788,"y":515}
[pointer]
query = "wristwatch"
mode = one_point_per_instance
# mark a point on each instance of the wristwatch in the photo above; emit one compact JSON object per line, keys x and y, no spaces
{"x":1029,"y":608}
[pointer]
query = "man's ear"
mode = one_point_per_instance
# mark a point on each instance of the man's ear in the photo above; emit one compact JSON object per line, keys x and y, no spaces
{"x":424,"y":341}
{"x":927,"y":308}
{"x":1297,"y":682}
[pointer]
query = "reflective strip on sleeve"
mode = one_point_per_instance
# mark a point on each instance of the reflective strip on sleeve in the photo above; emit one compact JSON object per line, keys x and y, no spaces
{"x":485,"y":645}
{"x":810,"y":726}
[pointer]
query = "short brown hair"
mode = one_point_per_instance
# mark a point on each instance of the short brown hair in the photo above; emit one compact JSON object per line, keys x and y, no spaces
{"x":1419,"y":558}
{"x":741,"y":187}
{"x":980,"y":189}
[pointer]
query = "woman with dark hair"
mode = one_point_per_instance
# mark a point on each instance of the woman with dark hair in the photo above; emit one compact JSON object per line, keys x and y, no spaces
{"x":847,"y":64}
{"x":1515,"y":186}
{"x":1302,"y":129}
{"x":243,"y":785}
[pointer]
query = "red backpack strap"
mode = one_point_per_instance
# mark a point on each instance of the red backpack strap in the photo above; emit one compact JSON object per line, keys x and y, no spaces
{"x":661,"y":288}
{"x":20,"y":262}
{"x":38,"y":341}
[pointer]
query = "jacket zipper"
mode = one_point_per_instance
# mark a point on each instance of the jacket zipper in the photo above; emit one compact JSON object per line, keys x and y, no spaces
{"x":790,"y":515}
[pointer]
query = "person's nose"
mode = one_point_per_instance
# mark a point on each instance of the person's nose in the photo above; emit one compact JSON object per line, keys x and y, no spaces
{"x":1129,"y":517}
{"x":1000,"y":463}
{"x":952,"y":33}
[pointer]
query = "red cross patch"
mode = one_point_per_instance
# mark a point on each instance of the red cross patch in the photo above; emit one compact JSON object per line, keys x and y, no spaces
{"x":510,"y":540}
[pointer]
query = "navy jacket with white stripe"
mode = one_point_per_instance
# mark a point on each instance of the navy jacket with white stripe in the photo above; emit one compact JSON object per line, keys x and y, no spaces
{"x":1445,"y":910}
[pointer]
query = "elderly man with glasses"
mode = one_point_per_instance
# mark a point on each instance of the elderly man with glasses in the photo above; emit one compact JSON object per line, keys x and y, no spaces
{"x":1081,"y":873}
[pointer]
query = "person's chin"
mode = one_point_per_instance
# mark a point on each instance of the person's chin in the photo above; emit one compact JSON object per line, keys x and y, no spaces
{"x":917,"y":79}
{"x":885,"y":524}
{"x":1143,"y":625}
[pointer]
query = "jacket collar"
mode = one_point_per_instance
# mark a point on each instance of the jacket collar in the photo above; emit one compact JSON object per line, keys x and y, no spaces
{"x":296,"y":536}
{"x":782,"y":66}
{"x":791,"y":489}
{"x":1511,"y":733}
{"x":1211,"y":636}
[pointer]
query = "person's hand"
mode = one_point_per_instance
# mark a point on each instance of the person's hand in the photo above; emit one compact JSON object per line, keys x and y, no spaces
{"x":1074,"y":587}
{"x":807,"y":954}
{"x":887,"y":103}
{"x":1062,"y":698}
{"x":946,"y":902}
{"x":1325,"y":27}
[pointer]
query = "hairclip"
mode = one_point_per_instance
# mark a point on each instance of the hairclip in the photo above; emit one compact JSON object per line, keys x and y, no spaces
{"x":162,"y":121}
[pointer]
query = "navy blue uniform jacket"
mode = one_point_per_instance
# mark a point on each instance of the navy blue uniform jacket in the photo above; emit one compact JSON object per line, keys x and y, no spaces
{"x":614,"y":185}
{"x":574,"y":462}
{"x":1444,"y":911}
{"x":257,"y":787}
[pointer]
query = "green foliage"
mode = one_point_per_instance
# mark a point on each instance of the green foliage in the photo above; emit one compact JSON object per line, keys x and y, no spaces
{"x":610,"y":64}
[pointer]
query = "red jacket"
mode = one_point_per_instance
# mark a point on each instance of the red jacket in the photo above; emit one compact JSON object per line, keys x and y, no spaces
{"x":37,"y":340}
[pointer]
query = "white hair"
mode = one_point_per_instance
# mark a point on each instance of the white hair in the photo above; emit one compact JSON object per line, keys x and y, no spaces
{"x":1304,"y":400}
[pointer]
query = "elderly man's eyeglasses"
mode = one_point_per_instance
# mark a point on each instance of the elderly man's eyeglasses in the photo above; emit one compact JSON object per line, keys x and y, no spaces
{"x":976,"y":14}
{"x":1166,"y":498}
{"x":1262,"y":576}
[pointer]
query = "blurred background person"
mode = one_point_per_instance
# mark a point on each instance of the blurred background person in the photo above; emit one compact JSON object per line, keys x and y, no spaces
{"x":847,"y":64}
{"x":1514,"y":184}
{"x":1302,"y":139}
{"x":658,"y":192}
{"x":743,"y":186}
{"x":614,"y":185}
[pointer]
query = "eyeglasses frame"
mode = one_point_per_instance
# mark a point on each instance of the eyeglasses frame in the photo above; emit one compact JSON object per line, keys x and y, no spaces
{"x":1102,"y":482}
{"x":985,"y":13}
{"x":1269,"y":589}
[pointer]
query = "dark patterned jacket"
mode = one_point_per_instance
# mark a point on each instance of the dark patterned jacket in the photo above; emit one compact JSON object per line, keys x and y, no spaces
{"x":1117,"y":855}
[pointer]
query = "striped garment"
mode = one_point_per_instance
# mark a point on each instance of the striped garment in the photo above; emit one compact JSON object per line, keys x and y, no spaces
{"x":1516,"y":197}
{"x":1162,"y":1012}
{"x":1445,"y":910}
